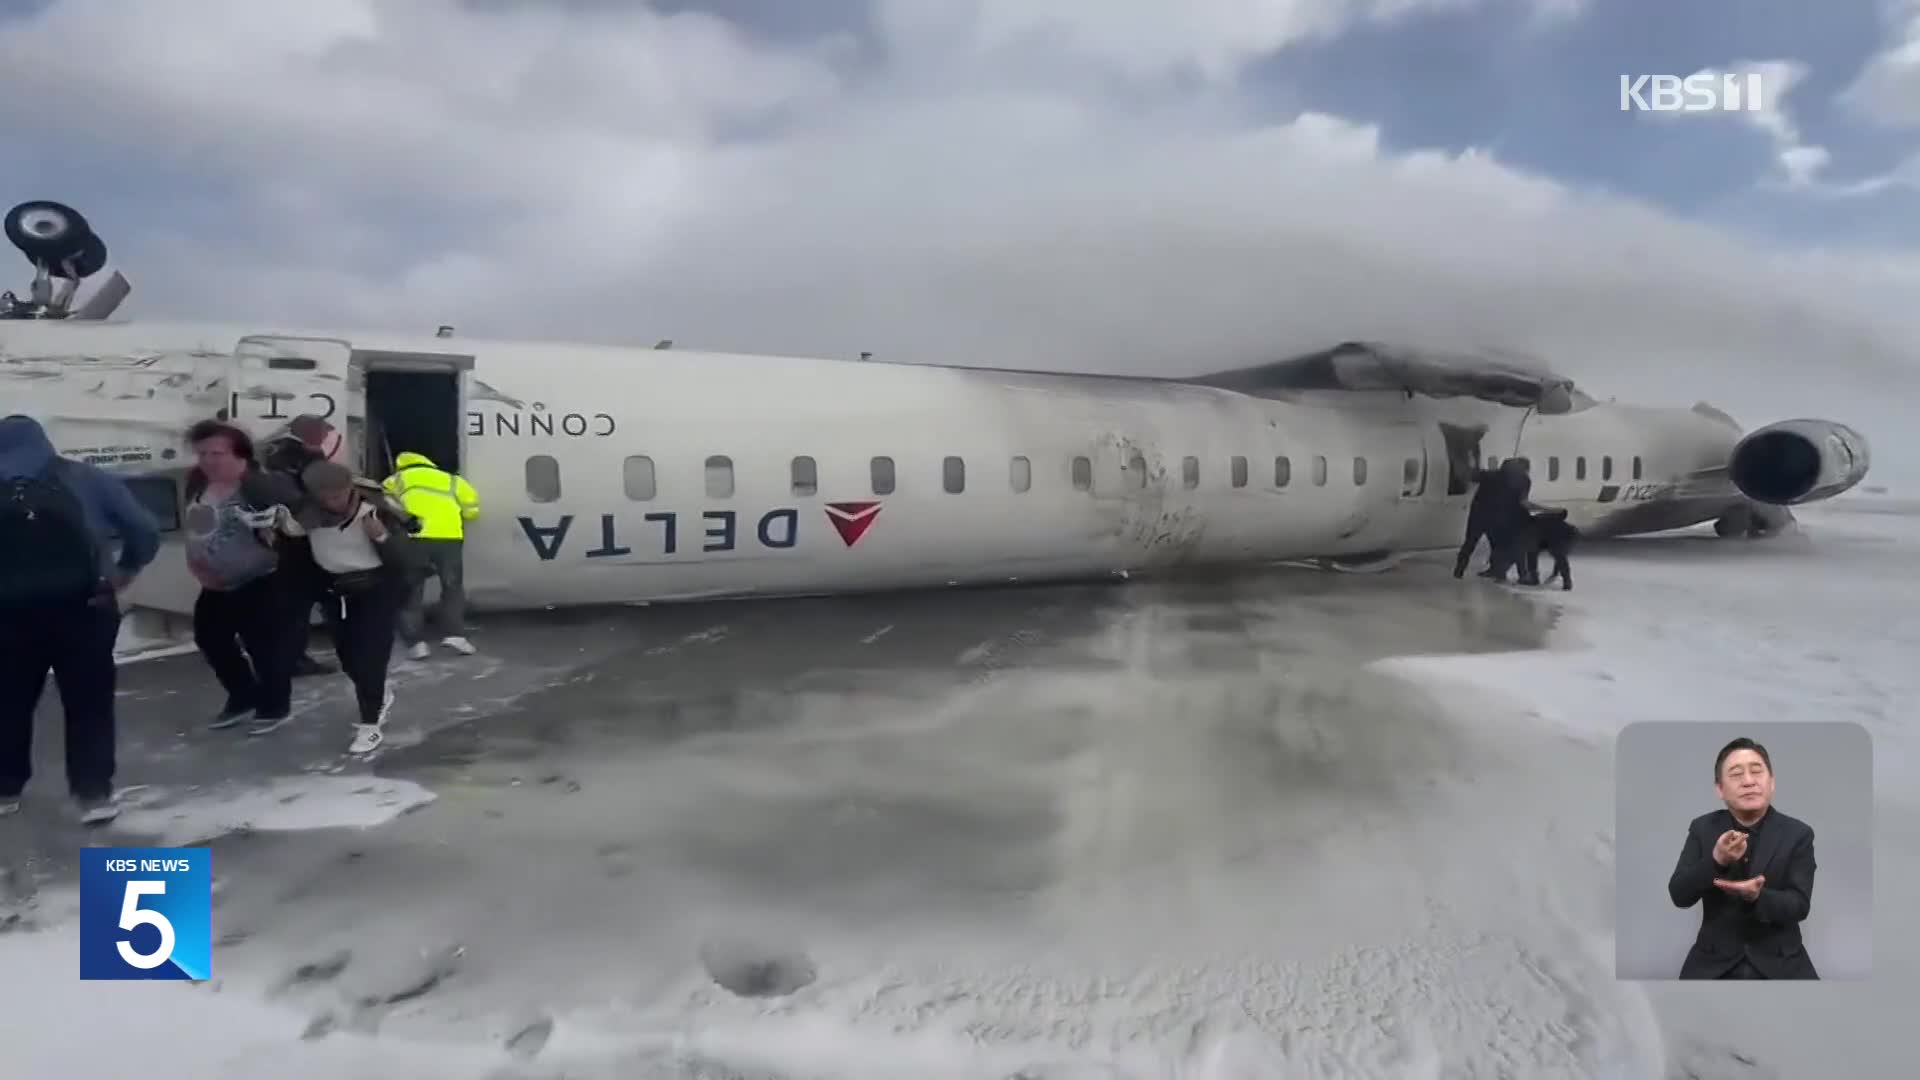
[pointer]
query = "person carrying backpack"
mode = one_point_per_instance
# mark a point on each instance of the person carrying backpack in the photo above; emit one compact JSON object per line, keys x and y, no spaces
{"x":59,"y":607}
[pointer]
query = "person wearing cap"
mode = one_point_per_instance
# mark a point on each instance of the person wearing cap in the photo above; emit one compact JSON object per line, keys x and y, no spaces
{"x":361,"y":539}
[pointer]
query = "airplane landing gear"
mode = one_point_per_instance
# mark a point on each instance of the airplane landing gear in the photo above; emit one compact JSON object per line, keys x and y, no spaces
{"x":1754,"y":522}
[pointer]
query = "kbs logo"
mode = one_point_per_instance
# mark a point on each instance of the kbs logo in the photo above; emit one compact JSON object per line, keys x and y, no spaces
{"x":1702,"y":91}
{"x":146,"y":913}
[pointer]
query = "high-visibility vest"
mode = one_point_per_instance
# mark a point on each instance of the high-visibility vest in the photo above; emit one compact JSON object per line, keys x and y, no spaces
{"x":443,"y":501}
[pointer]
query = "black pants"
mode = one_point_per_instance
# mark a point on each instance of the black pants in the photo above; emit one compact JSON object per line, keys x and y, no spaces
{"x":253,"y":615}
{"x":1742,"y":969}
{"x":1475,"y":530}
{"x":74,"y":640}
{"x":362,"y":622}
{"x":1562,"y":568}
{"x":305,"y":586}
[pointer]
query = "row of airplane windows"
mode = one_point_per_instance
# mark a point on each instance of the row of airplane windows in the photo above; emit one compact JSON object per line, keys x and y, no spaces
{"x":1579,"y":467}
{"x":638,"y":474}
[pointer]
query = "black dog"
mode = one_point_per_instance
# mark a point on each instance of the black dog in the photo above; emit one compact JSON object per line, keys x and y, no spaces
{"x":1550,"y":532}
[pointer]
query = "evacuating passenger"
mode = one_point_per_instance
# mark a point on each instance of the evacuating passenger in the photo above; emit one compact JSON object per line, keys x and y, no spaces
{"x":1511,"y":515}
{"x":444,"y":502}
{"x":59,"y":607}
{"x":1482,"y":515}
{"x":308,"y":439}
{"x":231,"y":506}
{"x":361,"y":541}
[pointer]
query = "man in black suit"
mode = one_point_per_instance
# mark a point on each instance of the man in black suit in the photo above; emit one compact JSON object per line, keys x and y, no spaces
{"x":1751,"y":869}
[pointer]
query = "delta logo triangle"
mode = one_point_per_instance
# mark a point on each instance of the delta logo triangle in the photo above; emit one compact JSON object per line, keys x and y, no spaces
{"x":852,"y":519}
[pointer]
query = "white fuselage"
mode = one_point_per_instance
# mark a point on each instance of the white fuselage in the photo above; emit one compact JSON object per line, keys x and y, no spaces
{"x":619,"y":475}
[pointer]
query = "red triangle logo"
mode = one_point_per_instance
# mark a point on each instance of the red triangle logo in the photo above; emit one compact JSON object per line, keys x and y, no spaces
{"x":852,"y":519}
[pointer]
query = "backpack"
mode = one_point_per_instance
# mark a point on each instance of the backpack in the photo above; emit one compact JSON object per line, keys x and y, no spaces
{"x":51,"y":553}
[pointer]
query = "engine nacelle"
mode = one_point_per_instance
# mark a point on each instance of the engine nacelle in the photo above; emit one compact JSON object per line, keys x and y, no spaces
{"x":1798,"y":461}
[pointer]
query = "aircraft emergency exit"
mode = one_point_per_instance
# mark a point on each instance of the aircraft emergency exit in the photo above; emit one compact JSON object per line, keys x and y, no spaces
{"x":611,"y":474}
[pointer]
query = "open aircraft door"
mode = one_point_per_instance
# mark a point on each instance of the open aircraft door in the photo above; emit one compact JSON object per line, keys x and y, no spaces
{"x":278,"y":378}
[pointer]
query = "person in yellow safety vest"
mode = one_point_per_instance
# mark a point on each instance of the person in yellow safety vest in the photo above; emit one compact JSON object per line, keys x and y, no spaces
{"x":444,"y":502}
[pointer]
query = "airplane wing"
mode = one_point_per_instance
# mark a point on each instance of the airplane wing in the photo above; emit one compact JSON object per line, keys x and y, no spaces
{"x":1500,"y":377}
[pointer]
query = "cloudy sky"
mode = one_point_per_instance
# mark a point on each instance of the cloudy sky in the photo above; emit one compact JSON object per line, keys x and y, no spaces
{"x":1142,"y":185}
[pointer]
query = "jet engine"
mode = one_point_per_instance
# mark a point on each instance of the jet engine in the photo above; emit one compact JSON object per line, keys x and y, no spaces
{"x":62,"y":247}
{"x":1798,"y":461}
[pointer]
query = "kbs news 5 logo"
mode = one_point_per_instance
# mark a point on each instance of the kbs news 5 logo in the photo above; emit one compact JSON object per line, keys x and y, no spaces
{"x":146,"y":913}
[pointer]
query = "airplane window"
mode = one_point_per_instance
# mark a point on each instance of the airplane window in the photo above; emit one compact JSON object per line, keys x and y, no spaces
{"x":806,"y":476}
{"x":1636,"y":466}
{"x":1606,"y":468}
{"x":1021,"y":474}
{"x":1580,"y":467}
{"x":1319,"y":471}
{"x":1190,"y":472}
{"x":880,"y":470}
{"x":158,"y":496}
{"x":543,"y":479}
{"x":1410,"y":473}
{"x":1239,"y":472}
{"x":1282,"y":471}
{"x":1553,"y":467}
{"x":637,"y":473}
{"x":953,"y":475}
{"x":719,"y":477}
{"x":1359,"y":472}
{"x":1082,"y":474}
{"x":1137,"y":464}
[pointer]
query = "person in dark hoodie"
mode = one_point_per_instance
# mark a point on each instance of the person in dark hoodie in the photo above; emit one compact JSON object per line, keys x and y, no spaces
{"x":1513,"y":512}
{"x":60,"y":582}
{"x":1485,"y":515}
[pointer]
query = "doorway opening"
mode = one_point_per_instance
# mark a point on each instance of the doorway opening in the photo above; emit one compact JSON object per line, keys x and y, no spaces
{"x":417,"y":410}
{"x":1463,"y":454}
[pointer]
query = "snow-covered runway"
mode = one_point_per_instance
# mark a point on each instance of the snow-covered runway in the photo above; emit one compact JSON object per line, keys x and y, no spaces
{"x":1294,"y":825}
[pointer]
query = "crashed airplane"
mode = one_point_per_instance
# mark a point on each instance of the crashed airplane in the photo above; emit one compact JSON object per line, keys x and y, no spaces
{"x":613,"y":474}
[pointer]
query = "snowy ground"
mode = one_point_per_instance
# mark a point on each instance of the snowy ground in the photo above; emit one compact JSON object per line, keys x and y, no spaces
{"x":1275,"y":829}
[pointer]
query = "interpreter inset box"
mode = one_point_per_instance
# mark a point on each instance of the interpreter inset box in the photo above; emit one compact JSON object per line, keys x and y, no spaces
{"x":1743,"y":851}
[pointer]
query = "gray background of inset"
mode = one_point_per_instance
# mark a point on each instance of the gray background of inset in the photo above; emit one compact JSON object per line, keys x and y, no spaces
{"x":1663,"y":779}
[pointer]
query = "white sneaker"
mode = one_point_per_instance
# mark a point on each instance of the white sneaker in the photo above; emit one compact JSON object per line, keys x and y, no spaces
{"x":366,"y":739}
{"x":97,"y":811}
{"x":9,"y":807}
{"x":419,"y":650}
{"x":459,"y":644}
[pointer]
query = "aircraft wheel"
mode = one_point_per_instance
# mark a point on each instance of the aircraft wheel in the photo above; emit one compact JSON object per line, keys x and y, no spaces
{"x":51,"y":233}
{"x":1735,"y":523}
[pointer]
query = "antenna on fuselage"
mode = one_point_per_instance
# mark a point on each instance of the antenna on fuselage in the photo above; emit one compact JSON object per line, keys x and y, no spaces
{"x":63,"y":248}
